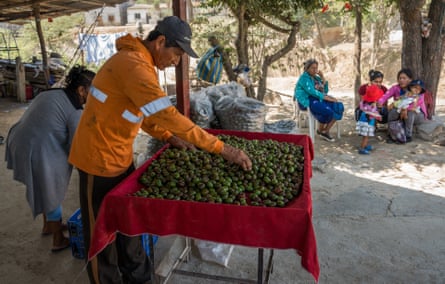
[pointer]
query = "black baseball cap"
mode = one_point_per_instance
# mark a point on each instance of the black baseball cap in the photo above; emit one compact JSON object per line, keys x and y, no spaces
{"x":417,"y":83}
{"x":178,"y":30}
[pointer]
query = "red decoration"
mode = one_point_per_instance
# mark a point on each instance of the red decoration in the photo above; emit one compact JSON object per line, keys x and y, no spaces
{"x":50,"y":20}
{"x":348,"y":7}
{"x":325,"y":8}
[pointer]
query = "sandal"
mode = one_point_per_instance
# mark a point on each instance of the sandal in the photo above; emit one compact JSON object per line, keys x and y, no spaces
{"x":363,"y":151}
{"x":64,"y":245}
{"x":46,"y":231}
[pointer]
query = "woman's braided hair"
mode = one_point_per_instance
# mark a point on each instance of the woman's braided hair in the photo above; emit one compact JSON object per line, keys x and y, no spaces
{"x":79,"y":76}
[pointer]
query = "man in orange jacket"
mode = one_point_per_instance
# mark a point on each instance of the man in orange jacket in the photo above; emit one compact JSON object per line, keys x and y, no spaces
{"x":126,"y":96}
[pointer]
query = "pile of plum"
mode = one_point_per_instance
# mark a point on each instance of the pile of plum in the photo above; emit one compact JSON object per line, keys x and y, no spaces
{"x":275,"y":179}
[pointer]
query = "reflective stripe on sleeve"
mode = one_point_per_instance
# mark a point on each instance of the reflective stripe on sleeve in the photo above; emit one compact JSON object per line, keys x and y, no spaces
{"x":99,"y":95}
{"x":131,"y":117}
{"x":155,"y":106}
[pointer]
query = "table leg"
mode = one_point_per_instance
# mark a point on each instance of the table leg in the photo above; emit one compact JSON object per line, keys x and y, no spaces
{"x":269,"y":268}
{"x":183,"y":257}
{"x":186,"y":254}
{"x":151,"y":257}
{"x":260,"y":265}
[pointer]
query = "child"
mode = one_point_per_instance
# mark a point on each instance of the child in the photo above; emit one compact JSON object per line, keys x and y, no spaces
{"x":416,"y":90}
{"x":366,"y":123}
{"x":406,"y":100}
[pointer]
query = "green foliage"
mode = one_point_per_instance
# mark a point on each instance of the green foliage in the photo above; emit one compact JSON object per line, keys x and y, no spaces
{"x":264,"y":19}
{"x":222,"y":28}
{"x":60,"y":36}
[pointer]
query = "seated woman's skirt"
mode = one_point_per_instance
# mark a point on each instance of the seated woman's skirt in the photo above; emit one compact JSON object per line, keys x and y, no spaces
{"x":325,"y":111}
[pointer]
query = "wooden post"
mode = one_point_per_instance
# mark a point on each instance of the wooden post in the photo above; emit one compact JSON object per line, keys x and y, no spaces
{"x":182,"y":70}
{"x":82,"y":54}
{"x":20,"y":80}
{"x":36,"y":11}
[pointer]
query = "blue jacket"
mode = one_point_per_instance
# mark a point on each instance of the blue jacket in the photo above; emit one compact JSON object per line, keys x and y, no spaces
{"x":305,"y":87}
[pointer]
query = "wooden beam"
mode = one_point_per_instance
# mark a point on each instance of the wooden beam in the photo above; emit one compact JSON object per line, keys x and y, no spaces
{"x":182,"y":75}
{"x":36,"y":9}
{"x":11,"y":10}
{"x":5,"y":4}
{"x":20,"y":81}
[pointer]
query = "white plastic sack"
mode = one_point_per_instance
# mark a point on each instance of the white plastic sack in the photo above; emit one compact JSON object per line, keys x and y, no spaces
{"x":232,"y":89}
{"x":214,"y":252}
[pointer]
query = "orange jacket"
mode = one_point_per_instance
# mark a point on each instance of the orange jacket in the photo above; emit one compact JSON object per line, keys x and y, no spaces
{"x":125,"y":96}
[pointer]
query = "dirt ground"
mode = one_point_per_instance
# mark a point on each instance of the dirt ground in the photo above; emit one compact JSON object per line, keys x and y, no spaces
{"x":378,"y":218}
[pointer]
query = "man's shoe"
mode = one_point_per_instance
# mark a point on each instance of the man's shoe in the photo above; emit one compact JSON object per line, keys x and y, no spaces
{"x":363,"y":151}
{"x":326,"y":137}
{"x":409,"y":139}
{"x":368,"y":148}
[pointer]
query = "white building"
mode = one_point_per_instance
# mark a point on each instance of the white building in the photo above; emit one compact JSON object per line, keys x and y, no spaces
{"x":109,"y":16}
{"x":139,"y":13}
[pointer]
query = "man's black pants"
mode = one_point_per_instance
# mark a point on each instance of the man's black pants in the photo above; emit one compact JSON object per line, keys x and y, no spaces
{"x":123,"y":261}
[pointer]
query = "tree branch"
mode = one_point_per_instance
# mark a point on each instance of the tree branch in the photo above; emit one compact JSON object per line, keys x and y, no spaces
{"x":273,"y":26}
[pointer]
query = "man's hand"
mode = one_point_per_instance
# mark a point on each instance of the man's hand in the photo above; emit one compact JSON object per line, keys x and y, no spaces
{"x":236,"y":156}
{"x":180,"y":144}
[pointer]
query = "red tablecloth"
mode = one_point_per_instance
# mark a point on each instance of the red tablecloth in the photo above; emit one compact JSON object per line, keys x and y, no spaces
{"x":262,"y":227}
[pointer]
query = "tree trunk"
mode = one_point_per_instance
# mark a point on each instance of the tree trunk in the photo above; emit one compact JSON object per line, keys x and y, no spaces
{"x":374,"y":44}
{"x":433,"y":48}
{"x":410,"y":18}
{"x":320,"y":36}
{"x":268,"y":60}
{"x":357,"y":51}
{"x":228,"y":66}
{"x":241,"y":42}
{"x":380,"y":29}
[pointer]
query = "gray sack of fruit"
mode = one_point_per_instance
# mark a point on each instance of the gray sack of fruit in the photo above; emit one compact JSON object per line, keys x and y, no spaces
{"x":241,"y":113}
{"x":201,"y":109}
{"x":282,"y":126}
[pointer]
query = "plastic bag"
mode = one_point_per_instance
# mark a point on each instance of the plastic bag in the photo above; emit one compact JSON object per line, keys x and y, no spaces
{"x":210,"y":66}
{"x":214,"y":252}
{"x":231,"y":89}
{"x":281,"y":126}
{"x":201,"y":109}
{"x":396,"y":130}
{"x":241,"y":113}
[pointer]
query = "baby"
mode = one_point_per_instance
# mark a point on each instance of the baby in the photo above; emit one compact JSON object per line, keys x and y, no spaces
{"x":405,"y":101}
{"x":409,"y":100}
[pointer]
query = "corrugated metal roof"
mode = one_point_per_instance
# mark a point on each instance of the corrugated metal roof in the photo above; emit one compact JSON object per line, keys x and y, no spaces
{"x":17,"y":11}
